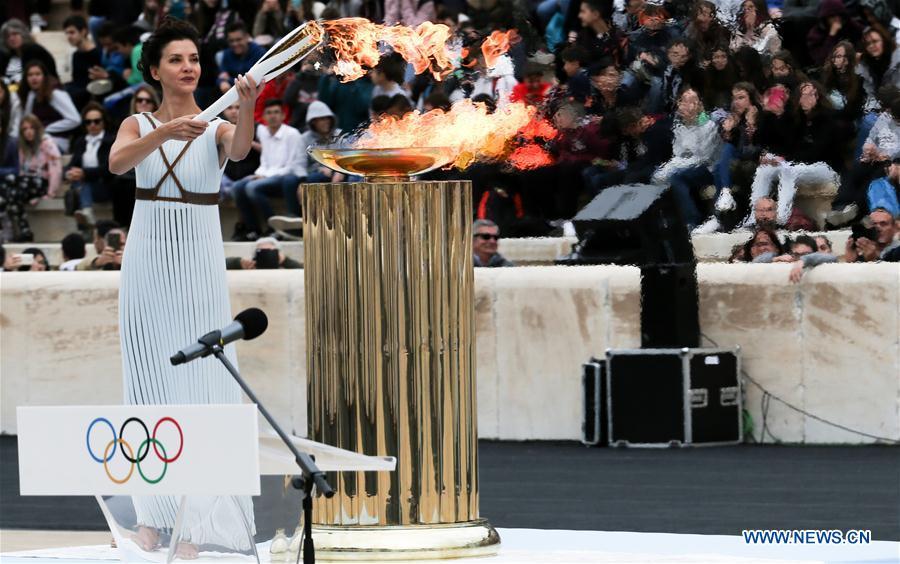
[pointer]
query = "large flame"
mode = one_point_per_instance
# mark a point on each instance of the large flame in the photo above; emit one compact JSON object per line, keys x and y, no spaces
{"x":468,"y":128}
{"x":497,"y":44}
{"x":355,"y":42}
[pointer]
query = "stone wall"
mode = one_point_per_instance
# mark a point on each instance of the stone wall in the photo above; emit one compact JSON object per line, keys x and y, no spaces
{"x":830,"y":345}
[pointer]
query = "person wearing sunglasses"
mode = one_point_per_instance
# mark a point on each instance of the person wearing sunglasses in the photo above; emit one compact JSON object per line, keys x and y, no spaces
{"x":88,"y":171}
{"x":485,"y":234}
{"x":144,"y":100}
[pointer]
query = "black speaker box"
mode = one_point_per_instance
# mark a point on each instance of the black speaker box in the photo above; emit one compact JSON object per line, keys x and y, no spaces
{"x":671,"y":397}
{"x":669,"y":306}
{"x":634,"y":224}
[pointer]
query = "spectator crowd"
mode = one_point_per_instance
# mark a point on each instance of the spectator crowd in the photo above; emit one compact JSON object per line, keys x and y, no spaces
{"x":735,"y":104}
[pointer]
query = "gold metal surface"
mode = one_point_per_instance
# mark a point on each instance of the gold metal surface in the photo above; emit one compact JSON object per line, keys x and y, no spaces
{"x":390,"y":353}
{"x":384,"y":165}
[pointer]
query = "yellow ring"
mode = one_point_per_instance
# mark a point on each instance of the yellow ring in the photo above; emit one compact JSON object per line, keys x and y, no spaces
{"x":106,"y":457}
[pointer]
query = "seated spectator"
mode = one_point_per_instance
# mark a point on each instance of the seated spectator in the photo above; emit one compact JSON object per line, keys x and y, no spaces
{"x":19,"y":48}
{"x":109,"y":242}
{"x":749,"y":64}
{"x":242,"y":53}
{"x":533,"y":90}
{"x":884,"y":192}
{"x":387,"y":76}
{"x":268,"y":26}
{"x":801,"y":246}
{"x":607,"y":90}
{"x":282,"y":167}
{"x":834,"y":25}
{"x":212,"y":18}
{"x":127,"y":42}
{"x":112,"y":64}
{"x":485,"y":235}
{"x":145,"y":100}
{"x":88,"y":171}
{"x":843,"y":85}
{"x":680,"y":71}
{"x":719,"y":76}
{"x":648,"y":45}
{"x":73,"y":251}
{"x":784,"y":70}
{"x":879,"y":64}
{"x":597,"y":36}
{"x":644,"y":144}
{"x":740,"y":150}
{"x":276,"y":89}
{"x":578,"y":142}
{"x":878,"y":242}
{"x":881,"y":146}
{"x":40,"y":175}
{"x":85,"y":57}
{"x":40,"y":96}
{"x":705,"y":30}
{"x":694,"y":153}
{"x":39,"y":262}
{"x":150,"y":16}
{"x":755,"y":29}
{"x":577,"y":82}
{"x":763,"y":246}
{"x":321,"y":131}
{"x":267,"y":255}
{"x":765,"y":214}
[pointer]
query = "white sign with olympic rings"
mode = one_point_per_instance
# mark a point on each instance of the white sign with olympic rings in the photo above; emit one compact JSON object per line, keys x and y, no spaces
{"x":139,"y":450}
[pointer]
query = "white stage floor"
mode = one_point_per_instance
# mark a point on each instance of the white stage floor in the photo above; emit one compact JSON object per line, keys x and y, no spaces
{"x":533,"y":545}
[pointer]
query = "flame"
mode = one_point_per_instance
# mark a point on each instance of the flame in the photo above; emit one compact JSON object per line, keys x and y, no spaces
{"x":468,"y":128}
{"x":497,"y":44}
{"x":355,"y":43}
{"x":529,"y":157}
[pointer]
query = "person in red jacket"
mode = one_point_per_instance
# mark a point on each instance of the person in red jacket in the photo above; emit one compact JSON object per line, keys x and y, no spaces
{"x":533,"y":90}
{"x":274,"y":89}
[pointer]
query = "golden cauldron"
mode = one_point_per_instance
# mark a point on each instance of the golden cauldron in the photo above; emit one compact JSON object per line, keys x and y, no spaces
{"x":389,"y":288}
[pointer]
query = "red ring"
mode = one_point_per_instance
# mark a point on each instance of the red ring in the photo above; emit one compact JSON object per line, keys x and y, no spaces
{"x":180,"y":440}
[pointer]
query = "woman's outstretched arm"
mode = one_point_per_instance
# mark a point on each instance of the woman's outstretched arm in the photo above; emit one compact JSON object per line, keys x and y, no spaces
{"x":130,"y":148}
{"x":235,"y":140}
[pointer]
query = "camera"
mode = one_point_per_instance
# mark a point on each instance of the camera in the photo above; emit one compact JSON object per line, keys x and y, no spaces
{"x":266,"y":258}
{"x":860,"y":231}
{"x":114,"y":240}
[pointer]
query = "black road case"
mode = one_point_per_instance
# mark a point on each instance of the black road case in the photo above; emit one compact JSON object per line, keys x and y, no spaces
{"x":673,"y":397}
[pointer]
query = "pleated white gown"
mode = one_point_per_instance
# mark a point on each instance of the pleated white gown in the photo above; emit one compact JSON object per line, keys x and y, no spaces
{"x":174,"y":289}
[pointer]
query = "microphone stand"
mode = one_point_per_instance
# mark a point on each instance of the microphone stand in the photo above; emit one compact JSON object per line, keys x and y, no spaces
{"x":311,"y":477}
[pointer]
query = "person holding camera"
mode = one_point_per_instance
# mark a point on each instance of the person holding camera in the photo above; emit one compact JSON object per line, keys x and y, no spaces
{"x":267,"y":256}
{"x":109,"y":241}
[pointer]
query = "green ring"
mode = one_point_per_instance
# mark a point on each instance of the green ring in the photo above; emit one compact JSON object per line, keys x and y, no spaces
{"x":146,"y":444}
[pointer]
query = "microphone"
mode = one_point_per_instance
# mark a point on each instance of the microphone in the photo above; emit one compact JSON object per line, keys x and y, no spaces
{"x":248,"y":324}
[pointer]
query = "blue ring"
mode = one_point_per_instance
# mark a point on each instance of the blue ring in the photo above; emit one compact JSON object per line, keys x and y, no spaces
{"x":87,"y":439}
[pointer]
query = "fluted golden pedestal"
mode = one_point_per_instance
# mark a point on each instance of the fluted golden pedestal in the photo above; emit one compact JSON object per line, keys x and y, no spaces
{"x":390,"y":364}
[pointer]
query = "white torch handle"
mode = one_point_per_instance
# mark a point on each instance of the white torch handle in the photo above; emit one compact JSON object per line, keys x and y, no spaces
{"x":267,"y":68}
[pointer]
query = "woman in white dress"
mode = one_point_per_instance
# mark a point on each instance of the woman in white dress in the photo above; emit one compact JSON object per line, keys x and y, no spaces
{"x":173,"y":285}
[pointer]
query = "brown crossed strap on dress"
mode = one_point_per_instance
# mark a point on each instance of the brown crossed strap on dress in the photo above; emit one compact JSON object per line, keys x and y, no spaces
{"x":187,"y":197}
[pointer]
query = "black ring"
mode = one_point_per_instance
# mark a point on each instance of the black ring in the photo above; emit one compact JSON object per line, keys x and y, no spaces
{"x":122,"y":436}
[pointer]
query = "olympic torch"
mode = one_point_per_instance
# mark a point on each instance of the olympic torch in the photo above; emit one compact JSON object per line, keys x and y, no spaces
{"x":291,"y":49}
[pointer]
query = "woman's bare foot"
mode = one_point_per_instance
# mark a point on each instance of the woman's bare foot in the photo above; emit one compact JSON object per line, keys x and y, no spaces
{"x":147,"y":538}
{"x":187,"y":551}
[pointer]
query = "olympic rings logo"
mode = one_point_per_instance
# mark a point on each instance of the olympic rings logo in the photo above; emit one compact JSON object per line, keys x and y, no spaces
{"x":142,"y":451}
